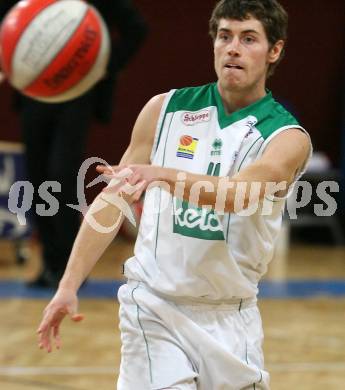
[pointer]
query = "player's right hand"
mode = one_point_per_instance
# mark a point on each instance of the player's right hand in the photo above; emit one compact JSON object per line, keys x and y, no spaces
{"x":65,"y":302}
{"x":2,"y":77}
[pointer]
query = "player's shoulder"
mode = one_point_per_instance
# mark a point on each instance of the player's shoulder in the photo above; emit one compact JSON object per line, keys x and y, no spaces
{"x":280,"y":113}
{"x":154,"y":105}
{"x":157,"y":100}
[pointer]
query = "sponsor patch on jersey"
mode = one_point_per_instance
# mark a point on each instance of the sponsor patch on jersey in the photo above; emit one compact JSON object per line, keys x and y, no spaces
{"x":196,"y":222}
{"x":217,"y":147}
{"x":187,"y":147}
{"x":192,"y":118}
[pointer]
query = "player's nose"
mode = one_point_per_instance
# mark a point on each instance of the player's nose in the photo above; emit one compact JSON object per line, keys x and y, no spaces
{"x":233,"y":47}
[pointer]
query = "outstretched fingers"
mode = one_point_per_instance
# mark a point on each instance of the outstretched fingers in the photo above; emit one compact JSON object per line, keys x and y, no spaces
{"x":56,"y":334}
{"x":112,"y":170}
{"x":49,"y":329}
{"x":104,"y":169}
{"x":44,"y":336}
{"x":51,"y":322}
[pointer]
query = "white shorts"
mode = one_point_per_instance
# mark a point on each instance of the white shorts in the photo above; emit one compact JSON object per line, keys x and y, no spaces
{"x":166,"y":345}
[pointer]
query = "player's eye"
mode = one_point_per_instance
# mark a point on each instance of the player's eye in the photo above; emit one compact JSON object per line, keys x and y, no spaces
{"x":248,"y":39}
{"x":223,"y":37}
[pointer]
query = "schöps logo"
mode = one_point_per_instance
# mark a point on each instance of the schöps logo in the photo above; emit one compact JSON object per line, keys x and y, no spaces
{"x":192,"y":118}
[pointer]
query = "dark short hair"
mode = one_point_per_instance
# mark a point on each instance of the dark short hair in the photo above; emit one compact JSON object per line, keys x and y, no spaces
{"x":269,"y":12}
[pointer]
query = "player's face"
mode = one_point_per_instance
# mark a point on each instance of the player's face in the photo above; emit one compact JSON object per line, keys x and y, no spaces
{"x":242,"y":55}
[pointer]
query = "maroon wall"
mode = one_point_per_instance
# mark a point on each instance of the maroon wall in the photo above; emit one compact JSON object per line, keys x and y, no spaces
{"x":178,"y":53}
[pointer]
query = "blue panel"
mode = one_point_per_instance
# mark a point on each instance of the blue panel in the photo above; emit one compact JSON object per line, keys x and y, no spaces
{"x":302,"y":288}
{"x":107,"y":289}
{"x":93,"y":289}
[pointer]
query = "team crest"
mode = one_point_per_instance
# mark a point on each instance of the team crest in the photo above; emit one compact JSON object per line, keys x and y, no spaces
{"x":217,"y":147}
{"x":187,"y":147}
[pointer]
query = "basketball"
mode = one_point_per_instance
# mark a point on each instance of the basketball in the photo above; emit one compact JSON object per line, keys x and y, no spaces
{"x":53,"y":50}
{"x":186,"y":140}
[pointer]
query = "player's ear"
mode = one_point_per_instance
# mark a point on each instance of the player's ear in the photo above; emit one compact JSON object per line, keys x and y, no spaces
{"x":275,"y":51}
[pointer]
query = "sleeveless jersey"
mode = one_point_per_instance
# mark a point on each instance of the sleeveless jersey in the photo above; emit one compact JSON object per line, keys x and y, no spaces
{"x":195,"y":253}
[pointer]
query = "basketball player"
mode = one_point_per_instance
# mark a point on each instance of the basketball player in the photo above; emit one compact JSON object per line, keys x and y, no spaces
{"x":188,"y":313}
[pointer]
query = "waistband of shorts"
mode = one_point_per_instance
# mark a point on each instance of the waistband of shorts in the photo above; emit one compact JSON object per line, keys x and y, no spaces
{"x":190,"y":302}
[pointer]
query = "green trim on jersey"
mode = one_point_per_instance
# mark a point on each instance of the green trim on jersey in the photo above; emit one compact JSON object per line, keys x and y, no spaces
{"x":143,"y":331}
{"x":270,"y":114}
{"x":192,"y":99}
{"x":257,"y":109}
{"x":273,"y":118}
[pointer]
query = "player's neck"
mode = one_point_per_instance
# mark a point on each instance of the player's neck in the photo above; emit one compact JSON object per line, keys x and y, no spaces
{"x":236,"y":100}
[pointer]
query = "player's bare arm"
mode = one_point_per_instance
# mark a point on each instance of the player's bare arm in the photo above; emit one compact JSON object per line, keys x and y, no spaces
{"x":284,"y":156}
{"x":90,"y":244}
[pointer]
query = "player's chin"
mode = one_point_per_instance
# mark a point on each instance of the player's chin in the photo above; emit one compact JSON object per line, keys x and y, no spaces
{"x":231,"y":84}
{"x":231,"y":79}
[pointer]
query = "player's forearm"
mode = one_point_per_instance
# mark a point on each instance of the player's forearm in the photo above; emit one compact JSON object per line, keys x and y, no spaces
{"x":225,"y":194}
{"x":93,"y":238}
{"x":196,"y":189}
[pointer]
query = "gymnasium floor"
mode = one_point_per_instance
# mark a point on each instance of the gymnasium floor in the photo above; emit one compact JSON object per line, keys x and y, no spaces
{"x":302,"y":304}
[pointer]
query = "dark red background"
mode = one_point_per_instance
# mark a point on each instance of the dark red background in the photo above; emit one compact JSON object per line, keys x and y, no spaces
{"x":178,"y":52}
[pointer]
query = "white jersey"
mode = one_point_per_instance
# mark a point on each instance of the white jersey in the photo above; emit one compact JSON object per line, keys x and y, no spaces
{"x":191,"y":253}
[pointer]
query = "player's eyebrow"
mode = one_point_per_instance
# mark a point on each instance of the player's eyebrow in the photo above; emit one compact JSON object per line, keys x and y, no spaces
{"x":224,"y":30}
{"x":228,"y":30}
{"x":250,"y":32}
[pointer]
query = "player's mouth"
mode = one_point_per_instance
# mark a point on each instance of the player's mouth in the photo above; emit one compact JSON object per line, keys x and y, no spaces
{"x":233,"y":66}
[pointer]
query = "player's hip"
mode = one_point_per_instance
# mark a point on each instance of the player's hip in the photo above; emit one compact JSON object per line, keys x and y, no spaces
{"x":214,"y":345}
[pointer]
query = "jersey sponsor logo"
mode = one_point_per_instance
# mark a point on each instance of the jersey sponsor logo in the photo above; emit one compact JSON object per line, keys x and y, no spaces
{"x":217,"y":147}
{"x":250,"y":124}
{"x":250,"y":132}
{"x":196,"y":222}
{"x":192,"y":118}
{"x":187,"y":147}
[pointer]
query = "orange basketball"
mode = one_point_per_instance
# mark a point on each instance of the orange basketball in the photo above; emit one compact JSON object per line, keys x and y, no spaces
{"x":186,"y":140}
{"x":53,"y":50}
